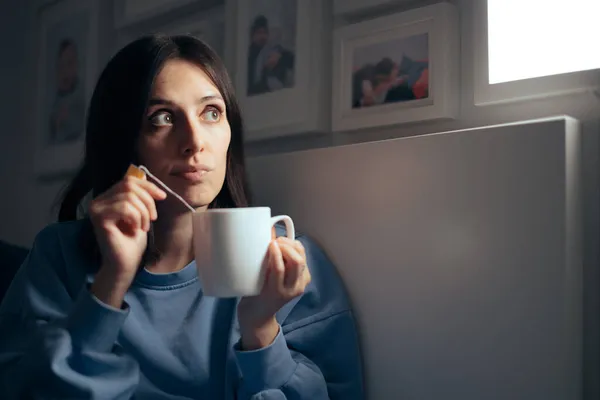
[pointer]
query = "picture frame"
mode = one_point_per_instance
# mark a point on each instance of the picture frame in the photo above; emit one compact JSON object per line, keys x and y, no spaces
{"x":349,"y":7}
{"x":208,"y":25}
{"x":275,"y":40}
{"x":67,"y":69}
{"x":396,"y":69}
{"x":130,"y":12}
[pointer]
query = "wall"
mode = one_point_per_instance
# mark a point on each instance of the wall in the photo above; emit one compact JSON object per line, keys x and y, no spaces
{"x":25,"y":208}
{"x":461,"y":253}
{"x":29,"y":205}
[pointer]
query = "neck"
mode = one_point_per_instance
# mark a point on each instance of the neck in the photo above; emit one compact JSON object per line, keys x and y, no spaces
{"x":173,"y":240}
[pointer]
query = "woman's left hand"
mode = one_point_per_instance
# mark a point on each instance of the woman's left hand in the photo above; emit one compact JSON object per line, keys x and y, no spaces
{"x":286,"y":278}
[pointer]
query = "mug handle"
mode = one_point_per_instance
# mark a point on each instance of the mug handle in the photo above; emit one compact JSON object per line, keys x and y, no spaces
{"x":289,"y":225}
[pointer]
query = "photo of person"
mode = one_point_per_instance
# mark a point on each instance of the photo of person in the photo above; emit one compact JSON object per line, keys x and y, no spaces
{"x":272,"y":44}
{"x":66,"y":81}
{"x":390,"y":72}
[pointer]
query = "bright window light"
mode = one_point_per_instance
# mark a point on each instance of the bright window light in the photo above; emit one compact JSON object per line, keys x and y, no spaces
{"x":535,"y":38}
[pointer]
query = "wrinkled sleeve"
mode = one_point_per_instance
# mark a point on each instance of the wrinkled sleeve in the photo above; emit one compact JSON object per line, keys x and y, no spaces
{"x":58,"y":343}
{"x":316,"y":354}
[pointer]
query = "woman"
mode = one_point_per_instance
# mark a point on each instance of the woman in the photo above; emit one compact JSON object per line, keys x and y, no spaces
{"x":83,"y":320}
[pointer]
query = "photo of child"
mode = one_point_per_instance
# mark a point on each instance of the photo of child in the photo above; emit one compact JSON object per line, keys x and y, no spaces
{"x":65,"y":81}
{"x":67,"y":55}
{"x":391,"y":72}
{"x":271,"y":48}
{"x":68,"y":109}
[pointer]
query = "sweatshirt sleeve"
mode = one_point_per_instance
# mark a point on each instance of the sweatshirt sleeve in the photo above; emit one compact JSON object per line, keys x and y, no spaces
{"x":57,"y":341}
{"x":316,"y":354}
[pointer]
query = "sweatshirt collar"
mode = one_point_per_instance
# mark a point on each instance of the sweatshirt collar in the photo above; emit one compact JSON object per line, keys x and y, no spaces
{"x":169,"y":280}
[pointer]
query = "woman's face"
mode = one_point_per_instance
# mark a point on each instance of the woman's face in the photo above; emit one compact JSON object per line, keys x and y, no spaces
{"x":185,"y":134}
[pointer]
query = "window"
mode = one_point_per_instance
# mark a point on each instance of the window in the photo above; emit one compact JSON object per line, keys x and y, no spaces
{"x":537,"y":38}
{"x":527,"y":49}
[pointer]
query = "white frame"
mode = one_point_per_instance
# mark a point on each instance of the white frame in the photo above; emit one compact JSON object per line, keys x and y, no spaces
{"x":300,"y":109}
{"x":203,"y":20}
{"x":63,"y":158}
{"x":440,"y":22}
{"x":521,"y":90}
{"x":343,"y":7}
{"x":122,"y":18}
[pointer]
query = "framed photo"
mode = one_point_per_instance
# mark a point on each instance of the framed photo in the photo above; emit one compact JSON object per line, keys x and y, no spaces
{"x":279,"y":66}
{"x":343,"y":7}
{"x":66,"y":76}
{"x":208,"y":25}
{"x":396,"y":69}
{"x":128,"y":12}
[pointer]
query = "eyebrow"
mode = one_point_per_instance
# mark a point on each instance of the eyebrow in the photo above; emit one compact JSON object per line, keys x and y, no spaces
{"x":158,"y":101}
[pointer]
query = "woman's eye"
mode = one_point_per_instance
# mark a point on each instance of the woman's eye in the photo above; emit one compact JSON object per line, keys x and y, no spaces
{"x":211,"y":114}
{"x":162,"y":119}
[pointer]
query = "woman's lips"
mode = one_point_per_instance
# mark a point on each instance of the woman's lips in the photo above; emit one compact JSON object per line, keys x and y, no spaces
{"x":192,"y":176}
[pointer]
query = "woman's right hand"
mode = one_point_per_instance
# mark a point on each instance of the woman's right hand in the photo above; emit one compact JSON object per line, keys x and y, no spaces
{"x":121,"y":218}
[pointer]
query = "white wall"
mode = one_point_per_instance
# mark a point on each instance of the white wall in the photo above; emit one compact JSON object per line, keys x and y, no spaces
{"x":25,"y":204}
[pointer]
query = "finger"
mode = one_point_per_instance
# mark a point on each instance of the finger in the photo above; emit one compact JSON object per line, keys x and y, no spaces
{"x":134,"y":200}
{"x":137,"y":202}
{"x":145,"y":197}
{"x":273,"y":233}
{"x":305,"y":276}
{"x":154,"y":191}
{"x":266,"y":266}
{"x":276,"y":268}
{"x":109,"y":208}
{"x":294,"y":264}
{"x":300,"y":247}
{"x":100,"y":205}
{"x":127,"y":183}
{"x":122,"y":214}
{"x":294,"y":243}
{"x":290,"y":251}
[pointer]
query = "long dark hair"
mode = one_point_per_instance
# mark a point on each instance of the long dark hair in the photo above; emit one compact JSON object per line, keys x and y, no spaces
{"x":116,"y":112}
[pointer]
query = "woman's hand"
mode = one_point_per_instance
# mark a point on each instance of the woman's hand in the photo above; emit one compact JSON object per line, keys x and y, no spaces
{"x":286,"y":278}
{"x":121,"y":218}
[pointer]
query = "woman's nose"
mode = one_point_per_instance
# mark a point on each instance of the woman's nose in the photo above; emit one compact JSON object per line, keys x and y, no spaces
{"x":193,"y":138}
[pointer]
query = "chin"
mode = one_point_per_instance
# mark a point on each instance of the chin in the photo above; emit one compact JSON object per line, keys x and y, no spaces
{"x":198,"y":198}
{"x":201,"y":202}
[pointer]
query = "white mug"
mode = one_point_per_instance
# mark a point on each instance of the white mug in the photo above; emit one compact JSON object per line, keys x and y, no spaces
{"x":230,"y":245}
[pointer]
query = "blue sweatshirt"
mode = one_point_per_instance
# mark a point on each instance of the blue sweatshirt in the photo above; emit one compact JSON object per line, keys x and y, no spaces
{"x":57,"y":341}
